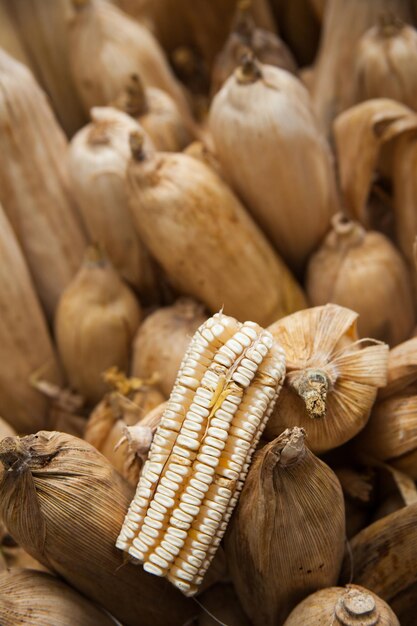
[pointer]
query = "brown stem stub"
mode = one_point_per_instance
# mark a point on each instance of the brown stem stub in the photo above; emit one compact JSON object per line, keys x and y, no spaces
{"x":136,"y":142}
{"x":249,"y":70}
{"x":312,"y":386}
{"x":356,"y":607}
{"x":13,"y":454}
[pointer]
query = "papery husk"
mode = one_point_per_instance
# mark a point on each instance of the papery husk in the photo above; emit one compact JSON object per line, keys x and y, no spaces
{"x":6,"y":430}
{"x":107,"y":47}
{"x":345,"y":21}
{"x":382,"y":557}
{"x":26,"y":346}
{"x":332,"y":377}
{"x":13,"y":556}
{"x":222,"y":603}
{"x":10,"y":39}
{"x":364,"y":272}
{"x":200,"y":151}
{"x":299,"y":27}
{"x":161,"y":341}
{"x":405,"y":606}
{"x":96,"y":320}
{"x":245,"y":35}
{"x":98,"y":157}
{"x":358,"y":485}
{"x":291,"y":191}
{"x":43,"y":28}
{"x":397,"y":490}
{"x":34,"y":185}
{"x":41,"y":599}
{"x":385,"y":64}
{"x":346,"y":606}
{"x":319,"y":8}
{"x":402,"y":370}
{"x":157,"y":113}
{"x":286,"y":538}
{"x":195,"y":227}
{"x":65,"y":504}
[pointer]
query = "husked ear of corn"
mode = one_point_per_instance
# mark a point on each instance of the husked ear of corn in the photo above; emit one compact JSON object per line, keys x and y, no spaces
{"x":226,"y":388}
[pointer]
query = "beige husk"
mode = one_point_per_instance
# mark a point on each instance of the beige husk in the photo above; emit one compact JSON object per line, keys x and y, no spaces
{"x":98,"y":157}
{"x":34,"y":186}
{"x":195,"y":227}
{"x":291,"y":190}
{"x":6,"y":430}
{"x":221,"y":602}
{"x":157,"y":113}
{"x":12,"y":555}
{"x":358,"y":485}
{"x":9,"y":36}
{"x":346,"y":606}
{"x":363,"y":271}
{"x":26,"y":347}
{"x":200,"y":151}
{"x":64,"y":503}
{"x":286,"y":538}
{"x":161,"y":341}
{"x":96,"y":320}
{"x":43,"y":27}
{"x":345,"y":21}
{"x":332,"y":377}
{"x":39,"y":599}
{"x":107,"y":47}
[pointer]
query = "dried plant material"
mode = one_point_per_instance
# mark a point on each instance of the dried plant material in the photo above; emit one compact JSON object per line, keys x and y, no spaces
{"x":291,"y":190}
{"x":10,"y":39}
{"x":345,"y":21}
{"x":34,"y":186}
{"x":265,"y":45}
{"x":359,"y":487}
{"x":161,"y":341}
{"x":396,"y":491}
{"x":299,"y":27}
{"x":226,"y":387}
{"x":346,"y":606}
{"x":98,"y":157}
{"x":383,"y":555}
{"x":64,"y":503}
{"x":157,"y":113}
{"x":364,"y":272}
{"x":222,"y":603}
{"x":319,"y":8}
{"x":332,"y":377}
{"x":25,"y":342}
{"x":200,"y":151}
{"x":96,"y":320}
{"x":107,"y":47}
{"x":43,"y":28}
{"x":195,"y":227}
{"x":6,"y":430}
{"x":40,"y":599}
{"x":402,"y":370}
{"x":286,"y":538}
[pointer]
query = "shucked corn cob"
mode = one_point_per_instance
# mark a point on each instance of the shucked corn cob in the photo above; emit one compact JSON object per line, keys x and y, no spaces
{"x":226,"y":388}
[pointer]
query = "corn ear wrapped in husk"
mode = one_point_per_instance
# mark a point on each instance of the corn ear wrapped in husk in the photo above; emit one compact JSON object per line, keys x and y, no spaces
{"x":64,"y":503}
{"x":286,"y":538}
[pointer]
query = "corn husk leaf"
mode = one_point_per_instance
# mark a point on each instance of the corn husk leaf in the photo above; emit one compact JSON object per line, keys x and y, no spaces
{"x":10,"y":40}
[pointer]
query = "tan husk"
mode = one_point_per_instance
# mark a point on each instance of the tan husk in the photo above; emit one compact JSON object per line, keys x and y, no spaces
{"x":346,"y":606}
{"x":98,"y":157}
{"x":34,"y":186}
{"x":40,"y":599}
{"x":13,"y":556}
{"x":9,"y":36}
{"x":200,"y":234}
{"x":358,"y":485}
{"x":107,"y":47}
{"x":286,"y":538}
{"x":384,"y":554}
{"x":299,"y":27}
{"x":64,"y":503}
{"x":345,"y":21}
{"x":26,"y":346}
{"x":364,"y":272}
{"x":221,"y":601}
{"x":157,"y":113}
{"x":290,"y":191}
{"x":200,"y":151}
{"x":332,"y":377}
{"x":43,"y":28}
{"x":161,"y":341}
{"x":6,"y":430}
{"x":96,"y":320}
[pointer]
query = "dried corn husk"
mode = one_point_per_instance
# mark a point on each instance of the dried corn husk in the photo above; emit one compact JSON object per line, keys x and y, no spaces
{"x":161,"y":341}
{"x":9,"y":37}
{"x":43,"y":27}
{"x":319,"y":8}
{"x":266,"y":46}
{"x":6,"y":430}
{"x":287,"y":536}
{"x":200,"y":151}
{"x":157,"y":113}
{"x":39,"y":599}
{"x":221,"y":602}
{"x":64,"y":503}
{"x":299,"y":27}
{"x":345,"y":21}
{"x":95,"y":323}
{"x":25,"y":342}
{"x":290,"y":191}
{"x":98,"y":158}
{"x":364,"y":272}
{"x":358,"y":485}
{"x":107,"y":47}
{"x":34,"y":186}
{"x":195,"y":227}
{"x":345,"y":606}
{"x":332,"y":377}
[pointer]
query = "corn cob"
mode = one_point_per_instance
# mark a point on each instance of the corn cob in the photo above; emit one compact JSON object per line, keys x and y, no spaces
{"x":225,"y":390}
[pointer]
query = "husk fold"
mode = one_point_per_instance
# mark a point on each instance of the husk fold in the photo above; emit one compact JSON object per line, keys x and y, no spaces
{"x":64,"y":503}
{"x":287,"y":535}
